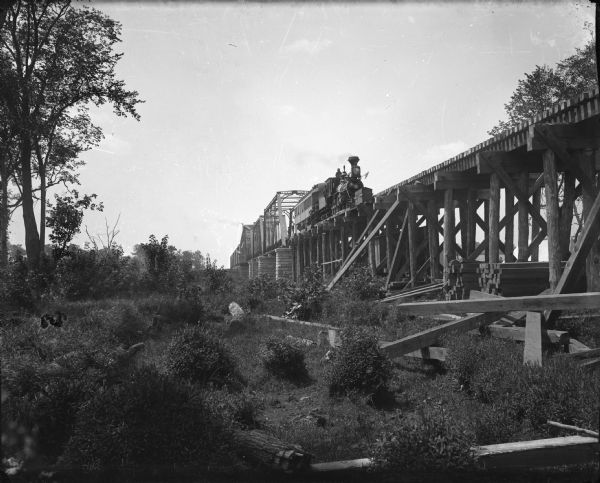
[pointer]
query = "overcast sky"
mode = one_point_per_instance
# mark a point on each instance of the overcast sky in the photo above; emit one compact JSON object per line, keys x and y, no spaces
{"x":243,"y":100}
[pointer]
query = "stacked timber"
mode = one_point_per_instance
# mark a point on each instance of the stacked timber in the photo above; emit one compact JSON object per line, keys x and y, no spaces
{"x":462,"y":278}
{"x":514,"y":279}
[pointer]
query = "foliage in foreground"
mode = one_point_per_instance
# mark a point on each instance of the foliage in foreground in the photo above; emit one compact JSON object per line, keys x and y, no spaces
{"x":284,"y":360}
{"x":151,"y":420}
{"x":359,"y":366}
{"x":199,"y":356}
{"x":432,"y":442}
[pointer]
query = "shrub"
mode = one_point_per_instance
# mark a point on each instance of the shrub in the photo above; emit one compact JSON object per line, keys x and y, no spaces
{"x":359,"y":366}
{"x":347,"y":312}
{"x":360,"y":284}
{"x":284,"y":360}
{"x":264,"y":289}
{"x":152,"y":419}
{"x":431,"y":443}
{"x":560,"y":391}
{"x":198,"y":356}
{"x":238,"y":408}
{"x":44,"y":405}
{"x":309,"y":294}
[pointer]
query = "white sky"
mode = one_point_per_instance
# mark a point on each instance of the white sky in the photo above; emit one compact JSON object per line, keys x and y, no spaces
{"x":243,"y":100}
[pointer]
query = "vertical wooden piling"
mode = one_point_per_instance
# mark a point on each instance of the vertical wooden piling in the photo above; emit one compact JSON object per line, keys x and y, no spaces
{"x":494,"y":218}
{"x":471,"y":224}
{"x":535,"y":228}
{"x":523,"y":221}
{"x":433,"y":240}
{"x":449,"y":252}
{"x":509,"y":228}
{"x":566,"y":214}
{"x":551,"y":190}
{"x":412,"y":242}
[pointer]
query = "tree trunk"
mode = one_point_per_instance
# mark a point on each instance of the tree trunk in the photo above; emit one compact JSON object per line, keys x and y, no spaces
{"x":42,"y":209}
{"x":32,"y":237}
{"x":4,"y":215}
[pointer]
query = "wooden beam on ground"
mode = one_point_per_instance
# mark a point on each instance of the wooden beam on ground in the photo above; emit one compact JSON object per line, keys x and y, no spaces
{"x":415,"y":292}
{"x":519,"y":334}
{"x":354,"y":256}
{"x":431,"y":336}
{"x":539,"y":453}
{"x":430,"y":353}
{"x":532,"y":353}
{"x":578,"y":301}
{"x":577,"y":260}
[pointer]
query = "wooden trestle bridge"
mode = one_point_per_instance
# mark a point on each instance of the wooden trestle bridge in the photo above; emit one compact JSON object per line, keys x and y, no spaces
{"x":496,"y":202}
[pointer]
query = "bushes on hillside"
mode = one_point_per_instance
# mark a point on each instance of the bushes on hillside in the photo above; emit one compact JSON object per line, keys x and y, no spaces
{"x":284,"y":360}
{"x":359,"y":366}
{"x":150,"y":420}
{"x":200,"y":357}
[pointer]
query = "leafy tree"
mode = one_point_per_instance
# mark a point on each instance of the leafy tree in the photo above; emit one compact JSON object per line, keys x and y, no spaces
{"x":58,"y":61}
{"x":545,"y":86}
{"x":65,"y":219}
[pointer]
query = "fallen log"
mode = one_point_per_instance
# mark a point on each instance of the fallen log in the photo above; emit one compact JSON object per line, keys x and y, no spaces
{"x":264,"y":449}
{"x":539,"y":453}
{"x":577,"y":429}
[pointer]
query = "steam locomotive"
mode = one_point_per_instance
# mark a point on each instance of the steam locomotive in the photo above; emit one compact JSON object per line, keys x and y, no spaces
{"x":342,"y":191}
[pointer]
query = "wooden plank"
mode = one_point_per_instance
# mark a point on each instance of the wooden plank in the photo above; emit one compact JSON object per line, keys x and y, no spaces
{"x":429,"y":337}
{"x":539,"y":453}
{"x":364,"y":244}
{"x":592,"y":266}
{"x":302,"y":322}
{"x":519,"y":334}
{"x":577,"y":301}
{"x":413,"y":293}
{"x":575,"y":347}
{"x":430,"y":353}
{"x":532,"y":353}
